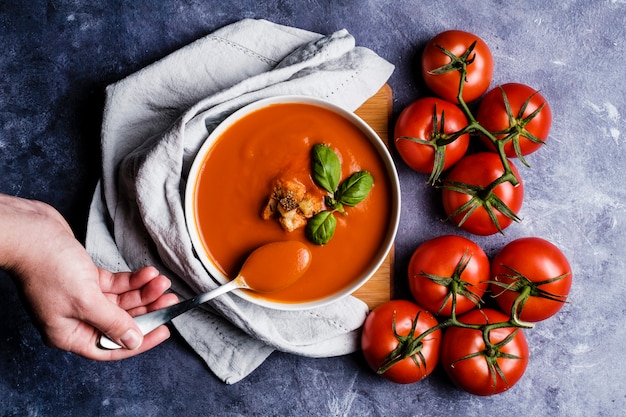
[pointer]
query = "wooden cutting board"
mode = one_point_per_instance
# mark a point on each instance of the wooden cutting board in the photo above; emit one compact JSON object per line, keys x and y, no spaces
{"x":376,"y":112}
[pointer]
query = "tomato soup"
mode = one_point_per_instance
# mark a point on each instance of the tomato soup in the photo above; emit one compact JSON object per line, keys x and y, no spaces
{"x":273,"y":142}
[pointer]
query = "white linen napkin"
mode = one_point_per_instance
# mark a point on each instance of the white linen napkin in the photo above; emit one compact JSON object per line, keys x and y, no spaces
{"x":154,"y":122}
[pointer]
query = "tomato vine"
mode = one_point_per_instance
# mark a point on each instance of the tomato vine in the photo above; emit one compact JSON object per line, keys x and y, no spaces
{"x":483,"y":349}
{"x":515,"y":122}
{"x":483,"y":196}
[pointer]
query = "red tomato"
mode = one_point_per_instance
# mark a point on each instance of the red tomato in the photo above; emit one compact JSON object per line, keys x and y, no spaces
{"x":540,"y":266}
{"x":416,"y":122}
{"x":532,"y":131}
{"x":480,"y":170}
{"x":443,"y":263}
{"x":482,"y":370}
{"x":479,"y":65}
{"x":390,"y":330}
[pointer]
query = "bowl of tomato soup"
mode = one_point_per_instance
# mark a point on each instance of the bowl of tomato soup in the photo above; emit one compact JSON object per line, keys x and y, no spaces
{"x":265,"y":149}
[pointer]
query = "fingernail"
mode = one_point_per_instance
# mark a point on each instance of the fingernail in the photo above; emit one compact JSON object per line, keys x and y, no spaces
{"x":131,"y":339}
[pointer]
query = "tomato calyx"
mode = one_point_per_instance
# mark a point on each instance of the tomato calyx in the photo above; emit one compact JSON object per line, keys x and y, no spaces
{"x":409,"y":346}
{"x":438,"y":140}
{"x":457,"y":63}
{"x":527,"y":288}
{"x":517,"y":125}
{"x":492,"y":352}
{"x":455,"y":284}
{"x":481,"y":197}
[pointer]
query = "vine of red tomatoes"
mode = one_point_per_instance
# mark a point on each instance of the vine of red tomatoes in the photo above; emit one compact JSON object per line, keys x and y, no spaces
{"x":431,"y":135}
{"x":480,"y":345}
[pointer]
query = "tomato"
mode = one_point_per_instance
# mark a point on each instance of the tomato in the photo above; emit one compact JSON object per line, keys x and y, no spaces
{"x":391,"y":329}
{"x":537,"y":265}
{"x":480,"y":369}
{"x":479,"y":65}
{"x":443,"y":263}
{"x":419,"y":121}
{"x":531,"y":131}
{"x":479,"y":170}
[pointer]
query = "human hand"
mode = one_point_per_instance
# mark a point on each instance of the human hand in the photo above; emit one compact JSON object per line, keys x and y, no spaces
{"x":71,"y":300}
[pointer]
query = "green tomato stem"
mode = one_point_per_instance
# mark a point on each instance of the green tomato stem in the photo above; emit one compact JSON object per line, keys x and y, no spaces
{"x":517,"y":307}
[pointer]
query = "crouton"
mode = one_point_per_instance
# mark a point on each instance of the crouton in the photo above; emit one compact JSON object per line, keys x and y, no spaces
{"x":310,"y":206}
{"x":291,"y":220}
{"x":290,"y":204}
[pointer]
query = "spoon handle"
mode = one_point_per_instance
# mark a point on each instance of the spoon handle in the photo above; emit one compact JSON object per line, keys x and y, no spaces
{"x":150,"y":321}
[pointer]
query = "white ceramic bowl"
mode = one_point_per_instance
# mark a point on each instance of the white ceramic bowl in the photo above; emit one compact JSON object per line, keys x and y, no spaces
{"x":369,"y":133}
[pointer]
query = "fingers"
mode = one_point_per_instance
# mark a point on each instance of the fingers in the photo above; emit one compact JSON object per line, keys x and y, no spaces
{"x":132,"y":293}
{"x":138,"y":291}
{"x":163,"y":301}
{"x":92,"y":351}
{"x":152,"y":339}
{"x":126,"y":294}
{"x":121,"y":282}
{"x":109,"y":319}
{"x":115,"y":322}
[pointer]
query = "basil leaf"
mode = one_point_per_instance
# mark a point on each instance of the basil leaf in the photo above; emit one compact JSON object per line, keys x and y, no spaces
{"x":321,"y":227}
{"x":355,"y":188}
{"x":326,"y":167}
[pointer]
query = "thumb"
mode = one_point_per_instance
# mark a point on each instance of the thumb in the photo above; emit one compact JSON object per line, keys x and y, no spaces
{"x":116,"y":324}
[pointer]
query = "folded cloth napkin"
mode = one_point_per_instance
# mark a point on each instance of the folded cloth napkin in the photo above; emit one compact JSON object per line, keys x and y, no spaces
{"x":155,"y":121}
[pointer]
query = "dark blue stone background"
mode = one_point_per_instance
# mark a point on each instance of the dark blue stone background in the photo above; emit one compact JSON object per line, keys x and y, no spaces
{"x":55,"y":59}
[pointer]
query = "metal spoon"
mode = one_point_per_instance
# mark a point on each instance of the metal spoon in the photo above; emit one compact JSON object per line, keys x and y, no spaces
{"x":269,"y":268}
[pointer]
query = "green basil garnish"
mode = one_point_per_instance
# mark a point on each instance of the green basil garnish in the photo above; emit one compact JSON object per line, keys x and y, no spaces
{"x":321,"y":227}
{"x":354,"y":190}
{"x":326,"y":167}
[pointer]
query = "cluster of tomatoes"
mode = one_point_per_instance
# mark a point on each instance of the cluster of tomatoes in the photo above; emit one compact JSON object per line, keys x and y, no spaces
{"x":482,"y":191}
{"x":478,"y":340}
{"x":481,"y":347}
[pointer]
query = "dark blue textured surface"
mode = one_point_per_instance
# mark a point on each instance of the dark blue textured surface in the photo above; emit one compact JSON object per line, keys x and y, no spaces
{"x":57,"y":56}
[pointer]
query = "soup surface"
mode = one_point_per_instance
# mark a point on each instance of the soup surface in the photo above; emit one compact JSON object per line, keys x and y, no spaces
{"x":273,"y":143}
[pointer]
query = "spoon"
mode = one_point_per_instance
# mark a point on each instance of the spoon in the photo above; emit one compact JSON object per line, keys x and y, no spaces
{"x":271,"y":267}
